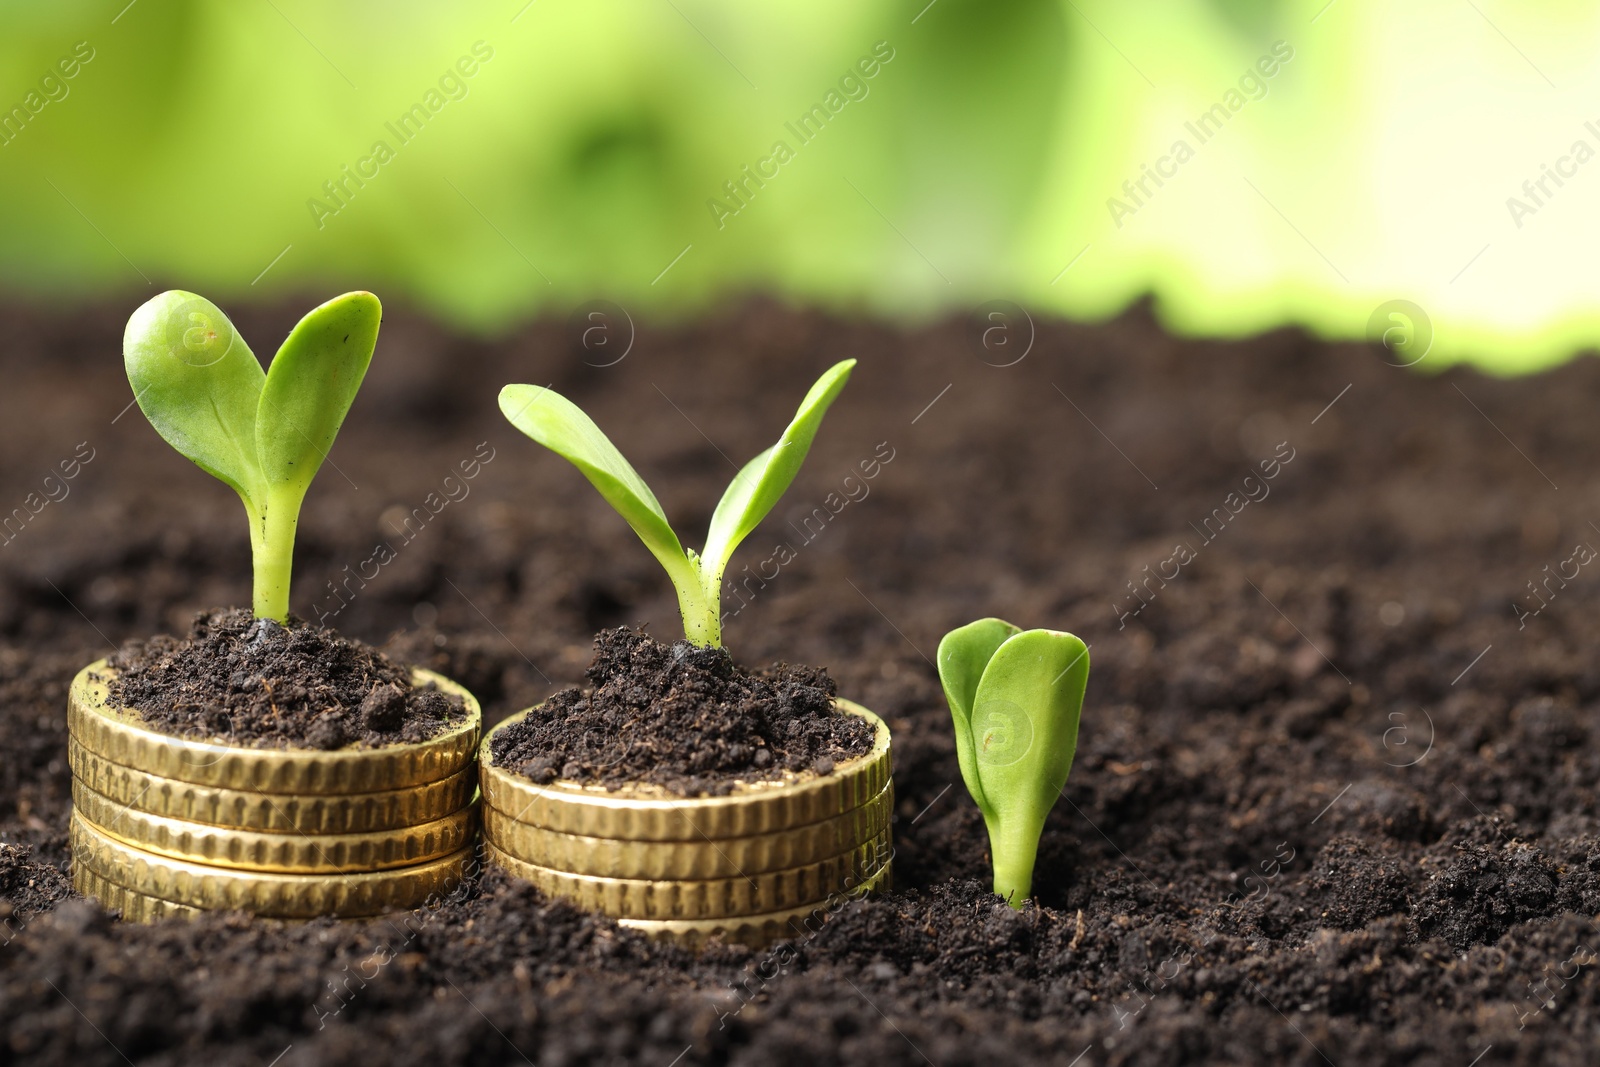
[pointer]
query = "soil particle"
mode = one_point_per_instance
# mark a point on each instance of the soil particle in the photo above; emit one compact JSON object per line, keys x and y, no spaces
{"x":1477,"y":895}
{"x":685,"y":718}
{"x":1359,"y":884}
{"x":27,"y":887}
{"x":249,"y":681}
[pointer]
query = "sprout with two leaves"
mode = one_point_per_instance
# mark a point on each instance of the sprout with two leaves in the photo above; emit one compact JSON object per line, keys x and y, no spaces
{"x":1015,"y":697}
{"x":561,"y":426}
{"x":264,"y":433}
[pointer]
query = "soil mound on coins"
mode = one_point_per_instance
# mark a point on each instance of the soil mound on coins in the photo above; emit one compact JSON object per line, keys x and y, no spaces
{"x":685,"y":718}
{"x":249,"y":681}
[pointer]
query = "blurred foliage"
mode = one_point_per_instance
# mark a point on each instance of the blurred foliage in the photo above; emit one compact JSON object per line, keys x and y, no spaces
{"x":585,"y":155}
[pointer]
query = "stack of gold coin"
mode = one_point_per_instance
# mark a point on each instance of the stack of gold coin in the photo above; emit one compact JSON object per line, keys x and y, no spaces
{"x":753,"y":866}
{"x":163,"y":825}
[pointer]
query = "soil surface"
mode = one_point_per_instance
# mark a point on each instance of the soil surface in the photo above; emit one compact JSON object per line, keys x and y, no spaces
{"x":246,"y":681}
{"x":685,"y":718}
{"x":1335,"y":795}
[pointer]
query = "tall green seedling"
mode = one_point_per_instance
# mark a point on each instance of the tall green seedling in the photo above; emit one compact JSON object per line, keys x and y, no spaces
{"x":559,"y":425}
{"x":1015,"y":697}
{"x":264,"y":433}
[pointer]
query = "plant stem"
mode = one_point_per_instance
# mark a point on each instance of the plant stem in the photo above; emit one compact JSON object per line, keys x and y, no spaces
{"x":1014,"y":850}
{"x":272,"y":529}
{"x":702,"y":619}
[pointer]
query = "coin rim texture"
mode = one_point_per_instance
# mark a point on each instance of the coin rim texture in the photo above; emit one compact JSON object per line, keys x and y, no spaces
{"x":135,"y":907}
{"x":644,"y":812}
{"x":756,"y":931}
{"x":249,"y":809}
{"x":290,"y":853}
{"x":278,"y":896}
{"x":711,"y":898}
{"x":702,"y":858}
{"x":118,"y":735}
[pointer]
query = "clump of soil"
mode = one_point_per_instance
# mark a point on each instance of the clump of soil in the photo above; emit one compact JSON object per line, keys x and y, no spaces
{"x":688,"y":719}
{"x":27,"y":887}
{"x":253,"y":682}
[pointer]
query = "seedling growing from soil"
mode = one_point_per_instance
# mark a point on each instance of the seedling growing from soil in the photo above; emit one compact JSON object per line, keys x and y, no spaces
{"x":559,"y":425}
{"x":1015,"y":696}
{"x":264,"y":433}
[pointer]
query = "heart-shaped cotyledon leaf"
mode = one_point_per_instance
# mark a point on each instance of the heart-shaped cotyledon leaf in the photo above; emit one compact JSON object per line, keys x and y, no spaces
{"x":559,"y":425}
{"x":310,"y":386}
{"x":264,"y":433}
{"x":1015,"y":700}
{"x":199,"y":384}
{"x":963,"y":654}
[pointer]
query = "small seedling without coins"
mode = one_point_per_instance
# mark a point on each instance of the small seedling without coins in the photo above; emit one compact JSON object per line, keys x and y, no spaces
{"x":264,"y":433}
{"x":1015,"y":696}
{"x":559,"y":425}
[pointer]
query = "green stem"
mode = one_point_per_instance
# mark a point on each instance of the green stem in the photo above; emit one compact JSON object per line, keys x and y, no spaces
{"x":272,"y":530}
{"x":702,"y":618}
{"x":1014,"y":849}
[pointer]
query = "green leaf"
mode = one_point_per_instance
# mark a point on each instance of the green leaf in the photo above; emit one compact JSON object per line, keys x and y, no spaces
{"x":1024,"y":731}
{"x":310,"y":387}
{"x":758,"y":486}
{"x":199,"y":385}
{"x":561,"y":426}
{"x":963,"y":654}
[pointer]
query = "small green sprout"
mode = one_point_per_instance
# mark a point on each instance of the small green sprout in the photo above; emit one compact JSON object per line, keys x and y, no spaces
{"x":1015,"y":696}
{"x":263,"y":433}
{"x":559,"y":425}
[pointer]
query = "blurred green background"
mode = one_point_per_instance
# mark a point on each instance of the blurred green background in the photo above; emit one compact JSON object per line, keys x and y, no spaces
{"x":557,"y":152}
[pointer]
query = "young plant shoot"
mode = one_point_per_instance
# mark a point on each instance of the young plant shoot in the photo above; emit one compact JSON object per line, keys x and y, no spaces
{"x":263,"y":433}
{"x":559,"y":425}
{"x":1015,"y":696}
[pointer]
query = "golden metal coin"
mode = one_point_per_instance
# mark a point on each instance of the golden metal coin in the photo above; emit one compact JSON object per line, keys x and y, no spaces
{"x":245,"y":809}
{"x":650,"y":813}
{"x":758,"y":931}
{"x":279,"y":896}
{"x":713,"y":898}
{"x":290,"y":853}
{"x":118,"y":735}
{"x":135,"y":907}
{"x":689,"y":860}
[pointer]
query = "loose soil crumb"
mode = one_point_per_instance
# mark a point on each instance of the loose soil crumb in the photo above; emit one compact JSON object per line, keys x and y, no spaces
{"x":688,"y":719}
{"x":252,"y":682}
{"x":27,"y":887}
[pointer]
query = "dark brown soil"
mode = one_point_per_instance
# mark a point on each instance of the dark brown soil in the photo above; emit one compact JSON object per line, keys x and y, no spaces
{"x":1335,"y":800}
{"x":685,"y":718}
{"x":247,"y":681}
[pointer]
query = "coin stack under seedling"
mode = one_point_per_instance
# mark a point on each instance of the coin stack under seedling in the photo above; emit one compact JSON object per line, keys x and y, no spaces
{"x":753,"y":866}
{"x":162,"y":825}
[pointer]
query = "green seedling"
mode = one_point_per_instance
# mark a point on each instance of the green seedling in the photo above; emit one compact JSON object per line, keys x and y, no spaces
{"x":559,"y":425}
{"x":1015,"y":697}
{"x":264,"y":433}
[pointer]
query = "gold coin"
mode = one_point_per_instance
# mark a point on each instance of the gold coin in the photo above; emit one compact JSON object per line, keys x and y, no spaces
{"x":713,"y":898}
{"x":758,"y":931}
{"x":245,"y":809}
{"x":682,"y":860}
{"x":279,"y":896}
{"x":290,"y":853}
{"x":118,"y":735}
{"x":650,"y":813}
{"x":135,"y":907}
